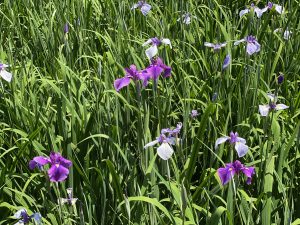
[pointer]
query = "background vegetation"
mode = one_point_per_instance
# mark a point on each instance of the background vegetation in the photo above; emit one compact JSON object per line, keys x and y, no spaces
{"x":62,"y":99}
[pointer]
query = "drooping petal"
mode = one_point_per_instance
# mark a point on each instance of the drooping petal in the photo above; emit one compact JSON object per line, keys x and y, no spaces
{"x":152,"y":51}
{"x":286,"y":34}
{"x":241,"y":149}
{"x":243,"y":12}
{"x":154,"y":71}
{"x":145,"y":9}
{"x":38,"y":161}
{"x":208,"y":44}
{"x":165,"y":151}
{"x":223,"y":44}
{"x":242,"y":140}
{"x":249,"y":172}
{"x":65,"y":162}
{"x":251,"y":48}
{"x":149,"y":41}
{"x":239,"y":41}
{"x":225,"y":174}
{"x":58,"y":173}
{"x":259,"y":12}
{"x":226,"y":62}
{"x":6,"y":75}
{"x":279,"y":9}
{"x":271,"y":97}
{"x":135,"y":6}
{"x":19,"y":213}
{"x":281,"y":106}
{"x":151,"y":144}
{"x":121,"y":82}
{"x":221,"y":140}
{"x":264,"y":110}
{"x":166,"y":41}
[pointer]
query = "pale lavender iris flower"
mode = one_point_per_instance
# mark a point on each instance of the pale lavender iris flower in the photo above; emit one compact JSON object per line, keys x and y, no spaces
{"x":265,"y":109}
{"x":4,"y":74}
{"x":194,"y":113}
{"x":25,"y":218}
{"x":226,"y":62}
{"x":143,"y":6}
{"x":271,"y":5}
{"x":155,"y":43}
{"x":259,"y":12}
{"x":252,"y":44}
{"x":69,"y":200}
{"x":286,"y":33}
{"x":186,"y":18}
{"x":238,"y":142}
{"x":131,"y":74}
{"x":227,"y":173}
{"x":59,"y":166}
{"x":216,"y":47}
{"x":166,"y":138}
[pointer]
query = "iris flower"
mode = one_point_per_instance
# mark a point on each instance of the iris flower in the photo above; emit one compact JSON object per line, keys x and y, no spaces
{"x":265,"y":109}
{"x":252,"y":44}
{"x":155,"y":42}
{"x":239,"y":143}
{"x":59,"y":166}
{"x":286,"y":33}
{"x":186,"y":18}
{"x":4,"y":74}
{"x":226,"y":62}
{"x":143,"y":6}
{"x":271,"y":5}
{"x":166,"y":138}
{"x":231,"y":169}
{"x":25,"y":218}
{"x":69,"y":200}
{"x":194,"y":113}
{"x":131,"y":74}
{"x":216,"y":47}
{"x":156,"y":68}
{"x":257,"y":11}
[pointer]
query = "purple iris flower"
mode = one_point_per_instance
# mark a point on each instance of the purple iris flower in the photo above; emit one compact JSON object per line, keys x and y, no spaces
{"x":226,"y":62}
{"x":25,"y":218}
{"x":4,"y":74}
{"x":265,"y":109}
{"x":216,"y":47}
{"x":143,"y":6}
{"x":239,"y":143}
{"x":166,"y":138}
{"x":131,"y":74}
{"x":252,"y":44}
{"x":59,"y":169}
{"x":69,"y":200}
{"x":66,"y":28}
{"x":156,"y":68}
{"x":155,"y":43}
{"x":280,"y":78}
{"x":231,"y":169}
{"x":186,"y":18}
{"x":194,"y":113}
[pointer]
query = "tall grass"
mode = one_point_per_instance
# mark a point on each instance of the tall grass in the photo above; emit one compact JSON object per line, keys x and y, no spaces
{"x":62,"y":99}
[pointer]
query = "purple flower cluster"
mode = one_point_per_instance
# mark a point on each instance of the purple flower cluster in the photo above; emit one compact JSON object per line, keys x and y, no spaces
{"x":25,"y":218}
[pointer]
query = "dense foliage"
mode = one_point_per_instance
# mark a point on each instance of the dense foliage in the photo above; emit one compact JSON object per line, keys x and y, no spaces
{"x":65,"y":57}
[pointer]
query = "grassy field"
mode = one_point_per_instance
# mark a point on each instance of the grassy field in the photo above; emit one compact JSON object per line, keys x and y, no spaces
{"x":65,"y":56}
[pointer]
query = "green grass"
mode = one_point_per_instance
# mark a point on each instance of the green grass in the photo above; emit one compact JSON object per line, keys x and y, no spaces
{"x":62,"y":99}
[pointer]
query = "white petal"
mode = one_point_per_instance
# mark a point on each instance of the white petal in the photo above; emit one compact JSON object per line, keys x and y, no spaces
{"x":271,"y":97}
{"x":165,"y":151}
{"x":166,"y":41}
{"x":286,"y":34}
{"x":242,"y":140}
{"x":62,"y":201}
{"x":145,"y":9}
{"x":279,"y":9}
{"x":151,"y":52}
{"x":6,"y":75}
{"x":220,"y":141}
{"x":149,"y":41}
{"x":239,"y":41}
{"x":4,"y":66}
{"x":134,"y":6}
{"x":207,"y":44}
{"x":223,"y":44}
{"x":70,"y":192}
{"x":258,"y":12}
{"x":243,"y":12}
{"x":17,"y":215}
{"x":151,"y":144}
{"x":19,"y":223}
{"x":264,"y":110}
{"x":37,"y":217}
{"x":241,"y":149}
{"x":281,"y":106}
{"x":278,"y":30}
